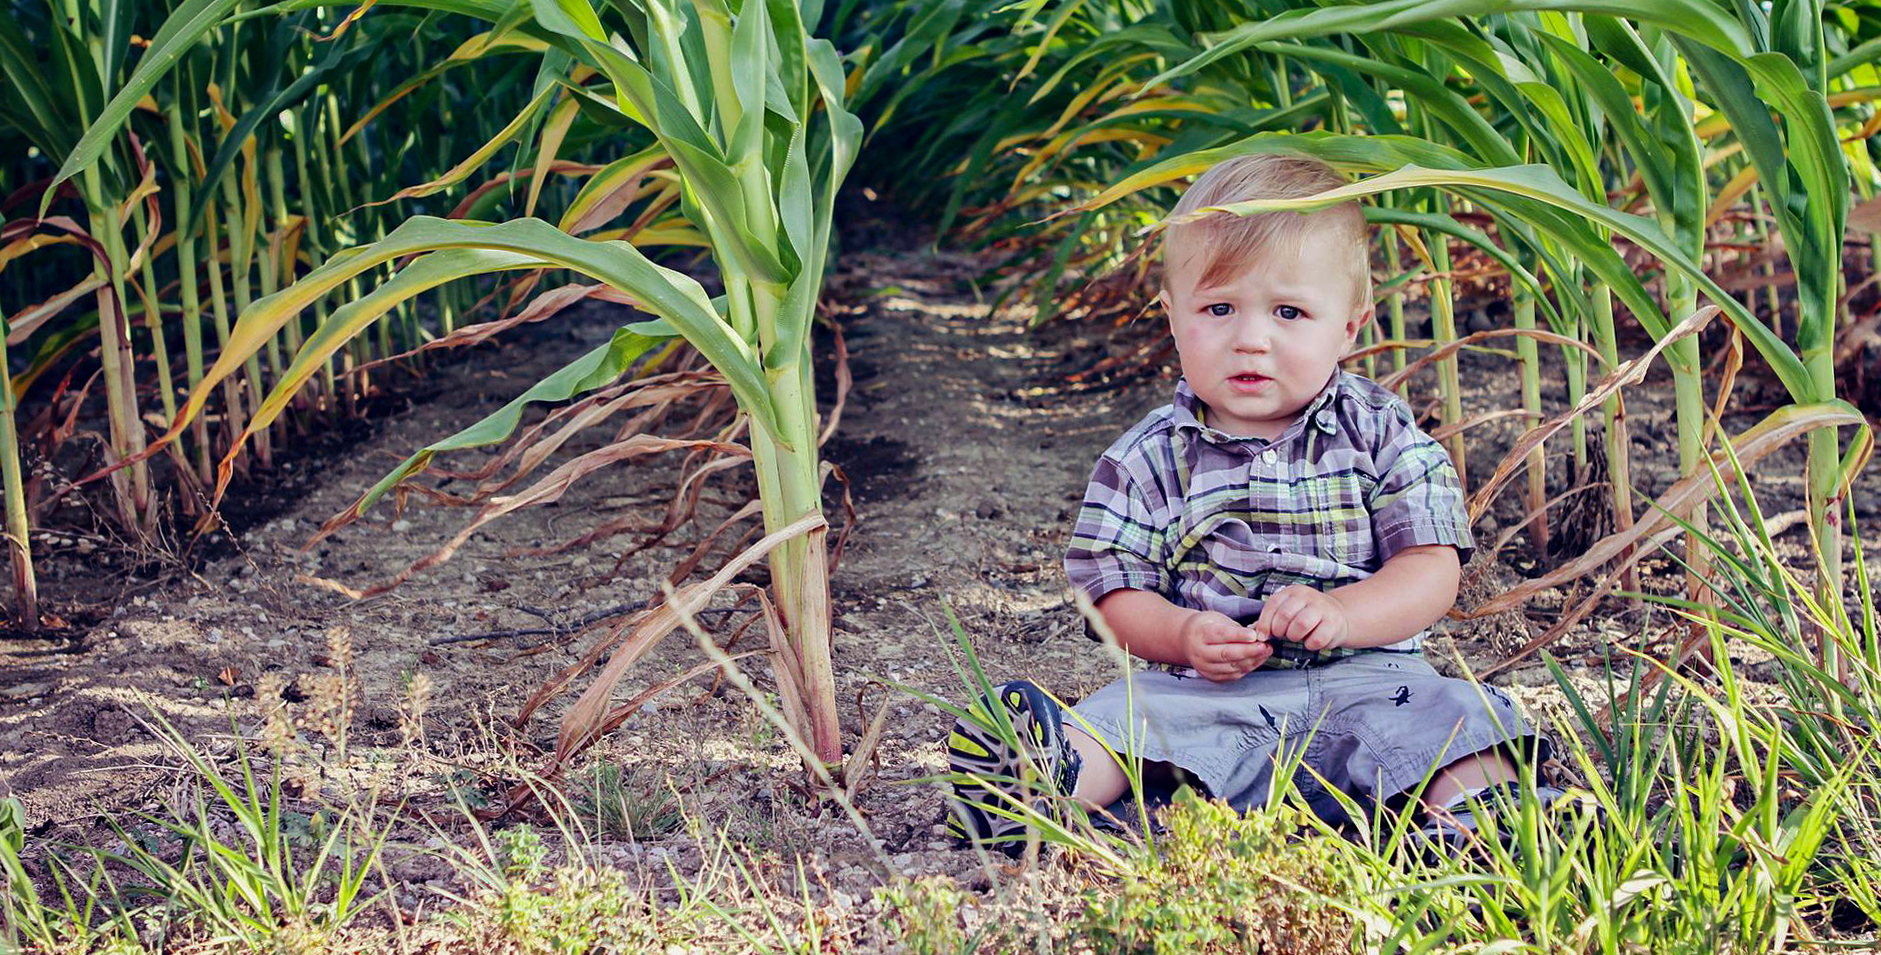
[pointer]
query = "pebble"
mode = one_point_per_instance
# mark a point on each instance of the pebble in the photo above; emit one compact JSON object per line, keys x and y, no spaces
{"x":400,"y":526}
{"x":24,"y":691}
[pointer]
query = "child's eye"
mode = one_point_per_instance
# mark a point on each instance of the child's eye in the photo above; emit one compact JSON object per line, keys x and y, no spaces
{"x":1289,"y":313}
{"x":1220,"y":310}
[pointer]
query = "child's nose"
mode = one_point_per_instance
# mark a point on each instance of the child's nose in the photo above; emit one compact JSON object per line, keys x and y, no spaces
{"x":1253,"y":334}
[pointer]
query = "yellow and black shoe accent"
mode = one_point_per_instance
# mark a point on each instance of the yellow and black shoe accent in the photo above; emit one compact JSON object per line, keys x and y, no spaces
{"x":1037,"y":772}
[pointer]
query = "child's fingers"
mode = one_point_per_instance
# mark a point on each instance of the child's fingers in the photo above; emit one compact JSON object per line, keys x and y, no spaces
{"x":1278,"y":614}
{"x":1302,"y":624}
{"x":1230,"y":633}
{"x":1317,"y":642}
{"x":1245,"y":651}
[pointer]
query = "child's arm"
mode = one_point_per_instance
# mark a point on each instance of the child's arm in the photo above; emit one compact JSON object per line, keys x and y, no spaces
{"x":1413,"y":590}
{"x":1149,"y":626}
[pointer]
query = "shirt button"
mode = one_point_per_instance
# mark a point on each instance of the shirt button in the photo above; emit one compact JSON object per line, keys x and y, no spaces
{"x":1269,"y":456}
{"x":1325,"y":421}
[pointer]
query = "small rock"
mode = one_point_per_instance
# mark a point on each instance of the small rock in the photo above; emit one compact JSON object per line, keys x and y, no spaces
{"x":989,"y":509}
{"x":400,"y":526}
{"x":24,"y":691}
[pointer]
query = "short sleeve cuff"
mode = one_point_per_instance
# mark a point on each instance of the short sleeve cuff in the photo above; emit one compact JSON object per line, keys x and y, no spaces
{"x":1096,"y":586}
{"x":1415,"y":533}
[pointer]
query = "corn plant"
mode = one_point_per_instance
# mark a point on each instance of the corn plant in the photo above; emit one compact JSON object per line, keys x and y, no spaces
{"x":263,"y":149}
{"x":752,"y":119}
{"x":57,"y":100}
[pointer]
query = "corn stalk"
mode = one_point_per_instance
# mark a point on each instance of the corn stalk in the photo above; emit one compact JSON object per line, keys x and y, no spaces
{"x":760,"y":139}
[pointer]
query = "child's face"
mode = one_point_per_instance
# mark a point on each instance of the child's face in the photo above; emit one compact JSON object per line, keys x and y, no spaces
{"x":1258,"y":348}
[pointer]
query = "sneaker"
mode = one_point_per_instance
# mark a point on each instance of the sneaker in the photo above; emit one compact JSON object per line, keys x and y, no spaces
{"x":1469,"y":820}
{"x":1038,"y":722}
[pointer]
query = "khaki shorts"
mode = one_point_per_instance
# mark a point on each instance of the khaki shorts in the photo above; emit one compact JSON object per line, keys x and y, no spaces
{"x":1372,"y":725}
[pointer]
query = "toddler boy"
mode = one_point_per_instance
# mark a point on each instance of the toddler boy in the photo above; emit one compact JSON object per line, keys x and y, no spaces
{"x":1274,"y":542}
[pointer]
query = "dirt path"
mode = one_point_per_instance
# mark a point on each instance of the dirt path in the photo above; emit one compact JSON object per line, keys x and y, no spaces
{"x":966,"y":463}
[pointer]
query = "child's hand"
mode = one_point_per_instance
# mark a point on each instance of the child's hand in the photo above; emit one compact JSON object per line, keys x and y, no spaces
{"x":1220,"y":649}
{"x":1301,"y":614}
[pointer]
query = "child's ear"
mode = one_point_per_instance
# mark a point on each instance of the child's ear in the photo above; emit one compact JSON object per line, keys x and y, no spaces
{"x":1362,"y":315}
{"x":1162,"y":298}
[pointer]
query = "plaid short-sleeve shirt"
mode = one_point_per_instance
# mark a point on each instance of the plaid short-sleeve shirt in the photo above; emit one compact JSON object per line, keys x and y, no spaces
{"x":1212,"y":521}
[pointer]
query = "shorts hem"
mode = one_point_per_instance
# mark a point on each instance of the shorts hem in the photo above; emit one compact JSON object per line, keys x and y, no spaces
{"x":1403,"y":775}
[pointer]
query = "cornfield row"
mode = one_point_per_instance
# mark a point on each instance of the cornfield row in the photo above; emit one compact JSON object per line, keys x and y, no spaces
{"x":234,"y":215}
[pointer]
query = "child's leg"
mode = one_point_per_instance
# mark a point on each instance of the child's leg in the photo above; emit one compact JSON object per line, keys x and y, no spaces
{"x":1100,"y":780}
{"x":1475,"y":771}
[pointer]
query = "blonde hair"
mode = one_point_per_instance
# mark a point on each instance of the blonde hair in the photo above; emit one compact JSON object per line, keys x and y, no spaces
{"x":1230,"y":243}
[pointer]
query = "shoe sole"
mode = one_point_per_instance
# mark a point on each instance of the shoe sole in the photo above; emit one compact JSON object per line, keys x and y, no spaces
{"x":971,"y":748}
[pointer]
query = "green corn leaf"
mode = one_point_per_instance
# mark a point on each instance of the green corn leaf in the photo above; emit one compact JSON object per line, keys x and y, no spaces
{"x":1448,"y":106}
{"x":668,"y":294}
{"x":706,"y":170}
{"x":790,"y":47}
{"x":476,"y":159}
{"x":1699,"y":19}
{"x":1064,"y":12}
{"x":1804,"y":171}
{"x":1481,"y":240}
{"x":596,"y":369}
{"x":353,"y":318}
{"x":115,"y":17}
{"x":273,"y":103}
{"x":574,"y":17}
{"x":750,"y":72}
{"x":1862,"y":54}
{"x":610,"y":180}
{"x":1598,"y":82}
{"x":46,"y":119}
{"x":180,"y":32}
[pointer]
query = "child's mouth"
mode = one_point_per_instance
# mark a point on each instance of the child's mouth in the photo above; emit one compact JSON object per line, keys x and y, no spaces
{"x":1248,"y":384}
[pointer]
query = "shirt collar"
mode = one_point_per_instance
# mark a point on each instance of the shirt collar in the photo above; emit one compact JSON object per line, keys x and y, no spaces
{"x":1319,"y":412}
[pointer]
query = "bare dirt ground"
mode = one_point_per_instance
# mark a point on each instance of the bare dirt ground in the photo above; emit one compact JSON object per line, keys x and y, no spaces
{"x":967,"y":455}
